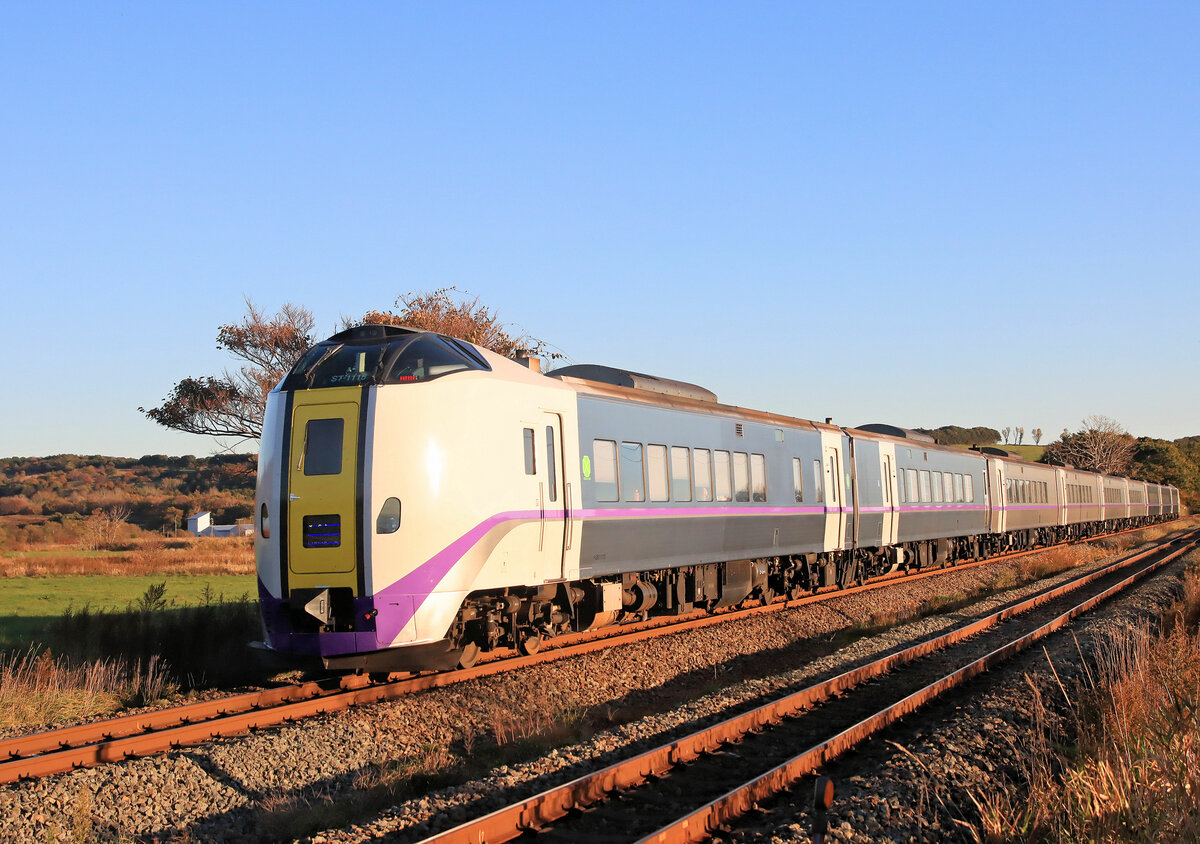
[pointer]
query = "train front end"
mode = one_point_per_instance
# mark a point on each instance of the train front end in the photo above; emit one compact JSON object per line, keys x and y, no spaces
{"x":345,"y":447}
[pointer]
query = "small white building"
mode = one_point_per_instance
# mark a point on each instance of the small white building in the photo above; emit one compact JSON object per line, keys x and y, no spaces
{"x":201,"y":525}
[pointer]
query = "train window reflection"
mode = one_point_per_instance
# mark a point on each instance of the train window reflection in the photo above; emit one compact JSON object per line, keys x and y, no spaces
{"x":797,"y":479}
{"x":656,"y":471}
{"x":758,"y":477}
{"x":633,"y":478}
{"x":681,"y":474}
{"x":604,"y":470}
{"x":724,"y":482}
{"x":741,"y":477}
{"x":702,"y":466}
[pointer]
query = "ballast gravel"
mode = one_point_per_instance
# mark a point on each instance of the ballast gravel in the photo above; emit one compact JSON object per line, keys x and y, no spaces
{"x":243,"y":789}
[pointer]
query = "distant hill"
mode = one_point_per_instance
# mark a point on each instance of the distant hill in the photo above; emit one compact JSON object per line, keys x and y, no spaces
{"x":156,"y":489}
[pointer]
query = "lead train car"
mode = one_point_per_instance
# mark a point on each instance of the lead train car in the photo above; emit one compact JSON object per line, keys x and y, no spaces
{"x":421,"y":499}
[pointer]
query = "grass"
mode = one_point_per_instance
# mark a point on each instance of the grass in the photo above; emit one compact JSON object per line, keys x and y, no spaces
{"x":1132,"y":773}
{"x":184,"y":556}
{"x":28,"y":605}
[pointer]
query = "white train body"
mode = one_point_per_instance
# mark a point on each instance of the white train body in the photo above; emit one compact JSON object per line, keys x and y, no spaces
{"x":420,"y":499}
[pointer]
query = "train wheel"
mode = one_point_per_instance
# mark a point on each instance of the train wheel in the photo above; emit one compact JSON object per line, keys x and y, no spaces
{"x":531,"y":643}
{"x":469,"y":656}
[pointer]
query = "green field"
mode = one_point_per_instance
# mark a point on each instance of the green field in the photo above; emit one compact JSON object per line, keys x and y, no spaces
{"x":28,"y":603}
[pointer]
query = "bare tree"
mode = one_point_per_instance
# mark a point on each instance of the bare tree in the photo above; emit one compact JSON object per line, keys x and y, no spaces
{"x":1005,"y":432}
{"x":103,"y":527}
{"x":232,"y":404}
{"x":1101,"y":445}
{"x":1020,"y":435}
{"x":1037,"y":436}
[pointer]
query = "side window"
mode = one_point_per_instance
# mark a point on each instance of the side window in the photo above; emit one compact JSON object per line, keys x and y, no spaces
{"x":833,"y":480}
{"x":968,"y":488}
{"x":551,"y":469}
{"x":936,"y":484}
{"x":656,"y":471}
{"x":723,"y":478}
{"x":681,"y":474}
{"x":818,"y":486}
{"x":758,"y":477}
{"x":741,"y":476}
{"x":604,"y":470}
{"x":952,"y":486}
{"x":887,"y":480}
{"x":797,"y":479}
{"x":911,"y":482}
{"x":925,"y":485}
{"x":903,"y":496}
{"x":530,"y":460}
{"x":633,"y":479}
{"x":702,"y":471}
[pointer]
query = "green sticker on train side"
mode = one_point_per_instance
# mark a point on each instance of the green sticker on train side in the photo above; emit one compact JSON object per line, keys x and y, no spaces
{"x":587,"y":467}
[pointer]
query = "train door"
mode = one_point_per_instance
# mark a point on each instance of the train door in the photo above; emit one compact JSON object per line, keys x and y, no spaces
{"x":322,"y":530}
{"x":835,"y":509}
{"x":891,"y":522}
{"x":999,"y":500}
{"x":555,"y":509}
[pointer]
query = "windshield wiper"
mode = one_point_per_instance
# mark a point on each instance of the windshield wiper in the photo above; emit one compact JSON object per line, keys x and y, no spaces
{"x":311,"y":371}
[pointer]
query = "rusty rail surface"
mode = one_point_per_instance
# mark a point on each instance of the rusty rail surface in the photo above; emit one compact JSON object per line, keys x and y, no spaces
{"x":130,"y":736}
{"x":549,"y":806}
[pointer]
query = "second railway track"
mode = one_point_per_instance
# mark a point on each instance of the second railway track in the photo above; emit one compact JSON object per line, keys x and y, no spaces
{"x":685,"y":789}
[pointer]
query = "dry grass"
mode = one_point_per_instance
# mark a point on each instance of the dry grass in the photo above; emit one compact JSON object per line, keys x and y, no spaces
{"x":37,"y":689}
{"x":1134,"y":775}
{"x":184,"y":556}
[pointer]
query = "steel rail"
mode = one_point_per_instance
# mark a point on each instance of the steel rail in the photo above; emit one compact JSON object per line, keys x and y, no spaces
{"x":101,"y":742}
{"x":700,"y":824}
{"x":543,"y":809}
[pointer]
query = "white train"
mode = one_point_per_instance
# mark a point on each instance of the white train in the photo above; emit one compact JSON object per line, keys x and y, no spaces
{"x":421,"y":499}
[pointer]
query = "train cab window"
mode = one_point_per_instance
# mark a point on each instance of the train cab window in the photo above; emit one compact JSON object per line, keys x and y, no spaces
{"x":741,"y":477}
{"x":925,"y":486}
{"x":656,"y":472}
{"x":723,"y":476}
{"x":551,"y":468}
{"x":798,"y":479}
{"x":428,"y":357}
{"x":758,"y":477}
{"x":323,"y":446}
{"x":633,"y":477}
{"x":681,"y":474}
{"x":702,"y":472}
{"x":530,"y":458}
{"x":818,"y":486}
{"x":604,"y":470}
{"x":936,"y":486}
{"x":968,"y":483}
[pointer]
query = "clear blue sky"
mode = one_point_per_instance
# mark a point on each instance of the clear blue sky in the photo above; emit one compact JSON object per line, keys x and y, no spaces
{"x":918,"y":213}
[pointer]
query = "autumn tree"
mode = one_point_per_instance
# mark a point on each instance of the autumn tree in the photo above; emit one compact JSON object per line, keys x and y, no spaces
{"x":450,"y":311}
{"x":1037,"y":436}
{"x":232,"y":404}
{"x":1101,"y":445}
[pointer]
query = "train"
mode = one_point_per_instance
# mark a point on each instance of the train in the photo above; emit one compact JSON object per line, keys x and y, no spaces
{"x":422,"y":500}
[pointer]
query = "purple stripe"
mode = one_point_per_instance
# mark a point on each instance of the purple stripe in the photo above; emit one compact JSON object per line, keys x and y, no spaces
{"x":732,"y":510}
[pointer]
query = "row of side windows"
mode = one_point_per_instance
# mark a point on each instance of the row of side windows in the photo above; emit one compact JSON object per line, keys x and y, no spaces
{"x":1080,"y":494}
{"x":1021,"y":491}
{"x":640,"y":472}
{"x":927,"y":487}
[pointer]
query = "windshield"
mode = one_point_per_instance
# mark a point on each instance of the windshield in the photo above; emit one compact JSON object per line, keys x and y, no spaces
{"x":408,"y":359}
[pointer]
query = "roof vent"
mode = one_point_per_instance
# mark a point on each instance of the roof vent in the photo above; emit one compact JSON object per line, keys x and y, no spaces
{"x":634,"y":380}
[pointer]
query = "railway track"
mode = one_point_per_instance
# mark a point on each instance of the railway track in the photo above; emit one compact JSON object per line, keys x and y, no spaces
{"x":125,"y":737}
{"x":686,"y":789}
